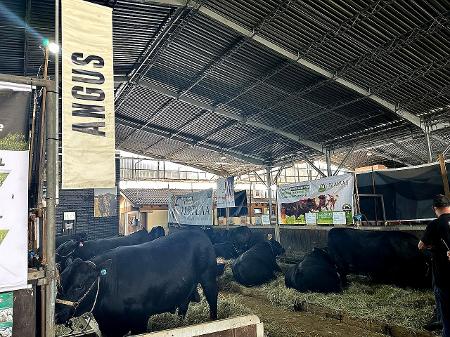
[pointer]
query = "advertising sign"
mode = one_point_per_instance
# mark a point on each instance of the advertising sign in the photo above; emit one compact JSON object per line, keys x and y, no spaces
{"x":324,"y":197}
{"x":13,"y":188}
{"x":6,"y":314}
{"x":88,"y":146}
{"x":191,"y":209}
{"x":225,"y":192}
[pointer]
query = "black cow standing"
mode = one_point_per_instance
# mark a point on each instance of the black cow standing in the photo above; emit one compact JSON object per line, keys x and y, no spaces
{"x":64,"y":238}
{"x":258,"y":265}
{"x":85,"y":250}
{"x":385,"y":256}
{"x":126,"y":285}
{"x":317,"y":273}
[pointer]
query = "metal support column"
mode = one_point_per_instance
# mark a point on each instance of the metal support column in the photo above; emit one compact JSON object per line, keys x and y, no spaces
{"x":328,"y":160}
{"x":428,"y":140}
{"x":52,"y":184}
{"x":269,"y":196}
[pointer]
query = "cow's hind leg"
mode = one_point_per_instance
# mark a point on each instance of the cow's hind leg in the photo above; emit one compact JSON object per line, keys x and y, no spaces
{"x":209,"y":285}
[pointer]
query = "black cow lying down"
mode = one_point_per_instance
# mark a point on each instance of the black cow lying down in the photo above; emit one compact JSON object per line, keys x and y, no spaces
{"x":317,"y":273}
{"x":258,"y":265}
{"x":385,"y":256}
{"x":127,"y":285}
{"x":85,"y":250}
{"x":226,"y":250}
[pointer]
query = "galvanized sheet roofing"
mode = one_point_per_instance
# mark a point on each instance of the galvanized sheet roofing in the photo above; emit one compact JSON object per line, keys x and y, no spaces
{"x":198,"y":90}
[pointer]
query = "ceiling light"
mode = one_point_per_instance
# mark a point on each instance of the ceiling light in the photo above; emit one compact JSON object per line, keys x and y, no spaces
{"x":52,"y":46}
{"x":369,"y":153}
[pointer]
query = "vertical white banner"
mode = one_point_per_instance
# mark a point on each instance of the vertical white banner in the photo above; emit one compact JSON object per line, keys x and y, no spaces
{"x":13,"y":220}
{"x":14,"y":104}
{"x":88,"y":145}
{"x":225,"y":192}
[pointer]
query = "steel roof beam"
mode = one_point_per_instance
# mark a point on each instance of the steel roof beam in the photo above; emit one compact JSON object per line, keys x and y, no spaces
{"x":410,"y":117}
{"x":157,"y":130}
{"x":224,"y":113}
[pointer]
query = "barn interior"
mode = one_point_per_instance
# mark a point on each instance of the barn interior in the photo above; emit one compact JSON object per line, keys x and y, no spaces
{"x":258,"y":90}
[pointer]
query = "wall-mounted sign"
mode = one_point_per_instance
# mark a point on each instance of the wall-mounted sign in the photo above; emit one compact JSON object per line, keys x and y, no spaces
{"x":6,"y":314}
{"x":323,"y":197}
{"x":225,"y":192}
{"x":14,"y":154}
{"x":88,"y":146}
{"x":191,"y":209}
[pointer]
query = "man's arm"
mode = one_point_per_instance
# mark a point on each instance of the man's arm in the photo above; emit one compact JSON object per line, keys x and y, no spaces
{"x":448,"y":255}
{"x":426,"y":240}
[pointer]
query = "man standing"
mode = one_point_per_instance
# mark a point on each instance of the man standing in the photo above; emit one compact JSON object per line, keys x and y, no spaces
{"x":437,"y":239}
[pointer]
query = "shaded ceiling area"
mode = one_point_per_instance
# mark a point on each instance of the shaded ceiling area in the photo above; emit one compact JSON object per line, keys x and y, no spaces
{"x":232,"y":86}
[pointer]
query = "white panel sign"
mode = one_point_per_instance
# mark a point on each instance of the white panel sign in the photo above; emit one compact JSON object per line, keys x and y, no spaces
{"x":191,"y":209}
{"x":225,"y":192}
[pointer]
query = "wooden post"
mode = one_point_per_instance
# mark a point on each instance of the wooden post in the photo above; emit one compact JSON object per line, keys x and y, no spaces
{"x":444,"y":174}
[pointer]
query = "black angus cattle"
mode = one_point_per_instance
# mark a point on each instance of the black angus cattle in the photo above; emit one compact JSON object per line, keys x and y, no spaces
{"x":258,"y":265}
{"x":240,"y":237}
{"x":64,"y":238}
{"x":85,"y":250}
{"x":317,"y":273}
{"x":385,"y":256}
{"x":125,"y":286}
{"x":226,"y":250}
{"x":156,"y":232}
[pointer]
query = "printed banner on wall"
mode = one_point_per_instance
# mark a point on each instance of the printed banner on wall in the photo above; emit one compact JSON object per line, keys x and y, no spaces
{"x":13,"y":188}
{"x":225,"y":192}
{"x":191,"y":209}
{"x":105,"y":202}
{"x":6,"y":314}
{"x":88,"y":147}
{"x":325,"y":201}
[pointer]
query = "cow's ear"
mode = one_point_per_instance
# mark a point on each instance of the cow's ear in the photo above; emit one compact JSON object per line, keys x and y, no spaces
{"x":269,"y":237}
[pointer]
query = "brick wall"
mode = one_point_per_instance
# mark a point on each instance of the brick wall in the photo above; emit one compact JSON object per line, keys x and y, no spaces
{"x":82,"y":203}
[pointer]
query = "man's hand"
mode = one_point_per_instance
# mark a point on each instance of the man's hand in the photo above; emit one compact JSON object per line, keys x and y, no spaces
{"x":448,"y":255}
{"x":421,"y":245}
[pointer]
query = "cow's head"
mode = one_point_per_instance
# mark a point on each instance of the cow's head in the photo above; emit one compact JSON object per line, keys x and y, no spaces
{"x":65,"y":252}
{"x":277,"y":249}
{"x":79,"y":285}
{"x":156,"y":232}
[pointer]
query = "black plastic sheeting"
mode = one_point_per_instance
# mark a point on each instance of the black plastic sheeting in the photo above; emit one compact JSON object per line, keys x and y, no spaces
{"x":241,"y":209}
{"x":407,"y":193}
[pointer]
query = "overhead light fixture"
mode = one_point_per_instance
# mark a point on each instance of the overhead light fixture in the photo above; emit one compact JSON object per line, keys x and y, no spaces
{"x":369,"y":153}
{"x":52,"y":46}
{"x":223,"y":158}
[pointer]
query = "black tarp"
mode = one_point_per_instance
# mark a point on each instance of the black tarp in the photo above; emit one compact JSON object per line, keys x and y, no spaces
{"x":241,"y":209}
{"x":407,"y":192}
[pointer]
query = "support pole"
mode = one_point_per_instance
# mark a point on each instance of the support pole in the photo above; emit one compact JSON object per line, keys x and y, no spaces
{"x":444,"y":174}
{"x":328,"y":160}
{"x":269,"y":195}
{"x":429,"y":151}
{"x":51,"y":143}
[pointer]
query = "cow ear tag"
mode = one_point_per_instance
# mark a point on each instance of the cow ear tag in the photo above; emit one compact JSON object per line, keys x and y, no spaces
{"x":103,"y":272}
{"x":81,"y":244}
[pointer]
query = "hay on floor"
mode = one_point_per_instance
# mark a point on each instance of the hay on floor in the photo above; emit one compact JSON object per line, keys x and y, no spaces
{"x":405,"y":307}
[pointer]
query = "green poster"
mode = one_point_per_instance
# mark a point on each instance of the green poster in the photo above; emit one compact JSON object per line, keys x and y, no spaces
{"x":6,"y":314}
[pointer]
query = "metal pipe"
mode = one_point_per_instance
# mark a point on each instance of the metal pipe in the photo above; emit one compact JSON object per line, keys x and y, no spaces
{"x":51,"y":142}
{"x":57,"y":97}
{"x":328,"y":160}
{"x":428,"y":140}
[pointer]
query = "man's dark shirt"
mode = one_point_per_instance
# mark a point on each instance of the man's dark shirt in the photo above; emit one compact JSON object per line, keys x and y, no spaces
{"x":434,"y":233}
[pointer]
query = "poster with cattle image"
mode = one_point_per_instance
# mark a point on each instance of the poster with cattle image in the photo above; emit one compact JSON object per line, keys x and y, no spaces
{"x":327,"y":201}
{"x":105,"y":202}
{"x":14,"y":104}
{"x":193,"y":209}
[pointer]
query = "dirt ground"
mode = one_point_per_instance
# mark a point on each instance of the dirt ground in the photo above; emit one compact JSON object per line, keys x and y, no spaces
{"x":279,"y":322}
